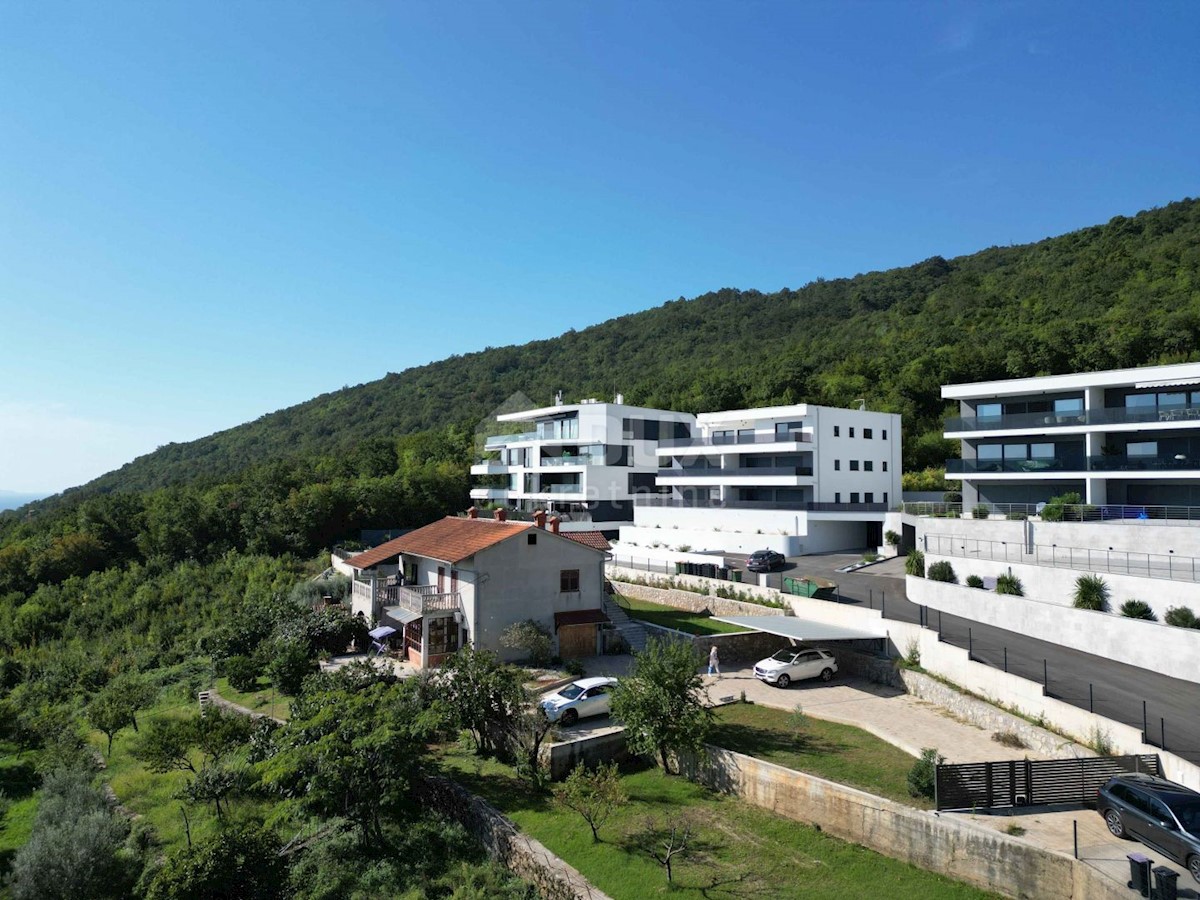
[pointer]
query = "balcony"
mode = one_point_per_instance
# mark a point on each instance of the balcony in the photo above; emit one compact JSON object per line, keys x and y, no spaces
{"x":495,"y":442}
{"x":421,"y":599}
{"x":810,"y":506}
{"x":491,"y":467}
{"x":1089,"y":418}
{"x":744,"y":472}
{"x":1122,"y":463}
{"x":490,"y":493}
{"x":1110,"y":463}
{"x":584,"y":459}
{"x":795,"y":437}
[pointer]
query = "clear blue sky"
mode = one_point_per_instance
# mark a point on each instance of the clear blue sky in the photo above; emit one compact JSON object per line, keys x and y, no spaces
{"x":209,"y":211}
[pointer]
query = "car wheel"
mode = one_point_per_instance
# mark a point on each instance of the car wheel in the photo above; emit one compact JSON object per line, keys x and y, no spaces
{"x":1112,"y":819}
{"x":1194,"y":866}
{"x":783,"y":681}
{"x":826,"y":674}
{"x":569,"y":717}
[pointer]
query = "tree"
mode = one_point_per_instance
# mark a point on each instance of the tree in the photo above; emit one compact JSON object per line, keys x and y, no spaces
{"x":530,"y":636}
{"x":168,"y":744}
{"x":237,"y":862}
{"x":922,"y":778}
{"x":289,"y":665}
{"x":660,"y":703}
{"x":483,"y":696}
{"x":135,"y":693}
{"x":214,"y":783}
{"x":593,"y":793}
{"x":109,"y":712}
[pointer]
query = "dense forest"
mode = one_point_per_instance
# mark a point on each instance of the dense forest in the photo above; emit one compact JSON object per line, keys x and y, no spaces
{"x":193,"y":566}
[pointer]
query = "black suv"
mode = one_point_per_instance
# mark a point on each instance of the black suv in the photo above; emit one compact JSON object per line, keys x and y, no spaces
{"x":1159,"y":813}
{"x":764,"y":560}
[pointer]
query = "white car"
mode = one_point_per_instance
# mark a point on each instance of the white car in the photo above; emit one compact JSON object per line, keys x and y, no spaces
{"x":795,"y":664}
{"x":579,"y":699}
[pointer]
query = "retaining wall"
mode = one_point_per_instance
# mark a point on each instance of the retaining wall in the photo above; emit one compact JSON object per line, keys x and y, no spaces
{"x":957,"y":848}
{"x":607,"y":746}
{"x":694,"y":602}
{"x":554,"y":878}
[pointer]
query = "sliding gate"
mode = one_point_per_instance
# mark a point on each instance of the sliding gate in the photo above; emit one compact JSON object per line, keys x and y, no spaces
{"x":1030,"y":782}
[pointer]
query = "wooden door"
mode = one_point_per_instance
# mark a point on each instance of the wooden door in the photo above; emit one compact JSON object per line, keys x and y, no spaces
{"x":575,"y":641}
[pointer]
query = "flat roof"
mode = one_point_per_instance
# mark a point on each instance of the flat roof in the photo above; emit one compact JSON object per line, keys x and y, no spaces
{"x":1142,"y":376}
{"x":543,"y":411}
{"x":804,"y":630}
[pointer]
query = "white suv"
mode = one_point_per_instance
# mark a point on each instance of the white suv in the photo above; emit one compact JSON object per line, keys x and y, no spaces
{"x":795,"y":664}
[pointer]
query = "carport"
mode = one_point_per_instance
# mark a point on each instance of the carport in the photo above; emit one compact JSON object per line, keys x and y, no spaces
{"x":805,"y":630}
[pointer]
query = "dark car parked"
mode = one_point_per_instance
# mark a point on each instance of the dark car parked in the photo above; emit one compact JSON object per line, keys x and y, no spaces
{"x":1159,"y":813}
{"x":765,"y":561}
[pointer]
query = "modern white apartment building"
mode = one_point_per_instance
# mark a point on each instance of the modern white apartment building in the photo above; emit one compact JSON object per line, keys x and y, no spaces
{"x":1120,"y":437}
{"x":584,"y":462}
{"x":799,"y":479}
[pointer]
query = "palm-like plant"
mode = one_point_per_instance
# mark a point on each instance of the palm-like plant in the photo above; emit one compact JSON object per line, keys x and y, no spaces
{"x":1091,"y":592}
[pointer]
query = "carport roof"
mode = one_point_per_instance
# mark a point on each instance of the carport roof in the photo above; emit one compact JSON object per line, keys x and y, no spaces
{"x":804,"y":630}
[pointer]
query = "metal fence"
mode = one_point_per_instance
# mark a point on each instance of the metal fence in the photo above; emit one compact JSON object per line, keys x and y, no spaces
{"x":1110,"y":512}
{"x":1032,"y":782}
{"x":1168,"y":566}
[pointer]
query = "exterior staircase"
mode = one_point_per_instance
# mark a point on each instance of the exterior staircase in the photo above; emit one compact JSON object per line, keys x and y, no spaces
{"x":633,"y":631}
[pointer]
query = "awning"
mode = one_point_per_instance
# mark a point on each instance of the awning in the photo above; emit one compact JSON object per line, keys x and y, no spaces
{"x":401,"y":614}
{"x":579,"y":617}
{"x":1183,"y":382}
{"x":382,"y":632}
{"x":804,"y":630}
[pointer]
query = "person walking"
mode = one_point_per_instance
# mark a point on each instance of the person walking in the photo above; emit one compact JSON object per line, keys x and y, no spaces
{"x":714,"y":664}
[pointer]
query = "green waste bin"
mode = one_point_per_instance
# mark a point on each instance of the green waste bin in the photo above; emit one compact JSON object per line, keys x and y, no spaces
{"x":735,"y":575}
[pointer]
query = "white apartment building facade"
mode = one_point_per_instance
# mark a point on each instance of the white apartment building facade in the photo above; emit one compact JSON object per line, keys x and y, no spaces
{"x":798,"y":479}
{"x":1123,"y":437}
{"x":583,"y":462}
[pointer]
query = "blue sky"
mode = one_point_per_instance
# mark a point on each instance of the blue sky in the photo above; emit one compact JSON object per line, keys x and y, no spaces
{"x":210,"y":211}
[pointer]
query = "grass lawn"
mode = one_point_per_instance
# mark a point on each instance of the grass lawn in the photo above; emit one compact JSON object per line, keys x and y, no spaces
{"x":741,"y":851}
{"x":830,"y":750}
{"x":18,"y":781}
{"x":151,"y":794}
{"x":670,"y":617}
{"x":265,"y":699}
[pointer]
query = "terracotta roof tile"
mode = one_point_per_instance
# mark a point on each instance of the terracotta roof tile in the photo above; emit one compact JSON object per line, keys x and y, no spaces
{"x":594,"y":539}
{"x":451,"y":540}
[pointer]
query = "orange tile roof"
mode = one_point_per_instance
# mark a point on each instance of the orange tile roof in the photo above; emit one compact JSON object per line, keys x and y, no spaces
{"x":451,"y":540}
{"x":594,"y":539}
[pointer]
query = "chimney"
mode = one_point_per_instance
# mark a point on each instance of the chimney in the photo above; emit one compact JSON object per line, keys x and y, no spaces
{"x":554,"y":524}
{"x":501,"y":514}
{"x":539,"y":518}
{"x":472,"y":513}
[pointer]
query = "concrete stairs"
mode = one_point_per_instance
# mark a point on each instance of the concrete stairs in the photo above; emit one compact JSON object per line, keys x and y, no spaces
{"x":633,"y":632}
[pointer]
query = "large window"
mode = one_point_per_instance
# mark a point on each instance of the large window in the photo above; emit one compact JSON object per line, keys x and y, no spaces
{"x":868,"y":465}
{"x":1142,"y":448}
{"x":443,"y":636}
{"x":568,"y":581}
{"x":784,"y":430}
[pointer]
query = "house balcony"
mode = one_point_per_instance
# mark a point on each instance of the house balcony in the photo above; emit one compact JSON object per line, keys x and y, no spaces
{"x":780,"y":443}
{"x":491,"y":493}
{"x":498,"y":441}
{"x":421,"y":599}
{"x":491,"y":467}
{"x":1039,"y":422}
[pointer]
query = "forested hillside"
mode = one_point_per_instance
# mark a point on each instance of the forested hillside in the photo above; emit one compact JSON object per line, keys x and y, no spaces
{"x":1121,"y":294}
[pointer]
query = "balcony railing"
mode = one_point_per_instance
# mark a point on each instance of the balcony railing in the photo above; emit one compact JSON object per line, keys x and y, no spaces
{"x":1113,"y":416}
{"x":748,"y":471}
{"x":584,"y":459}
{"x":491,"y":467}
{"x":795,"y":437}
{"x":499,"y":440}
{"x":420,"y":598}
{"x":1108,"y":463}
{"x":798,"y":506}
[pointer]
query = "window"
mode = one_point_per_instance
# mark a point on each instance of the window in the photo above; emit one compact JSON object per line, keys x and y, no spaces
{"x":837,"y":431}
{"x":1142,"y":448}
{"x":568,"y":581}
{"x":989,"y":410}
{"x":441,"y":580}
{"x":837,"y":498}
{"x":1041,"y":451}
{"x":868,"y":465}
{"x":854,"y":498}
{"x":851,"y":431}
{"x":854,"y":465}
{"x":1068,"y":406}
{"x":885,"y":496}
{"x":885,"y":465}
{"x":885,"y":434}
{"x":784,"y":430}
{"x":531,"y":539}
{"x":745,"y":435}
{"x":868,"y":497}
{"x":1140,"y":401}
{"x":867,"y":432}
{"x":722,"y":437}
{"x":837,"y":465}
{"x":443,"y":635}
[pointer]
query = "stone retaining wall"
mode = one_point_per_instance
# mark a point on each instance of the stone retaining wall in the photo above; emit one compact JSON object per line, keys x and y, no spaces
{"x":527,"y":858}
{"x":697,"y":603}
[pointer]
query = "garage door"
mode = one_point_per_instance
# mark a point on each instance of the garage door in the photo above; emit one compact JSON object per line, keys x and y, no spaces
{"x":576,"y":641}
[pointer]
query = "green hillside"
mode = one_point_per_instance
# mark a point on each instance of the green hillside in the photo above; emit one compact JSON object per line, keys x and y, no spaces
{"x":1121,"y":294}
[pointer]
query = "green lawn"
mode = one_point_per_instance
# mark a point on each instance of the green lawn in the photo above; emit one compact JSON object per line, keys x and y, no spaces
{"x":744,"y":851}
{"x":153,"y":795}
{"x":830,"y":750}
{"x":670,"y":617}
{"x":18,"y":781}
{"x":265,"y":699}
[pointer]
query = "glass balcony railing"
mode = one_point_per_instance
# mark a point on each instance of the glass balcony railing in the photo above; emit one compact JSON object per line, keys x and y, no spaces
{"x":1123,"y":463}
{"x":1118,"y":462}
{"x":499,"y":440}
{"x":795,"y":437}
{"x":1042,"y":420}
{"x":974,"y":466}
{"x":584,"y":459}
{"x":752,"y":471}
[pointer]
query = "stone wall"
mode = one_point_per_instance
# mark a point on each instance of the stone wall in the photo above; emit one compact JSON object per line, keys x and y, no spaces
{"x":957,"y":848}
{"x":693,"y":602}
{"x":527,"y":858}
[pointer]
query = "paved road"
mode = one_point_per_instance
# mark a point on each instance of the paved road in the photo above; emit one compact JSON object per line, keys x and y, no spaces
{"x":1117,"y":690}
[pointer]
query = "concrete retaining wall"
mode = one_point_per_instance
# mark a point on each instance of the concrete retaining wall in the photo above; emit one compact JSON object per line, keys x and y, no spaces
{"x":607,"y":746}
{"x":529,"y":859}
{"x":1147,"y":645}
{"x":955,"y":847}
{"x":658,"y":590}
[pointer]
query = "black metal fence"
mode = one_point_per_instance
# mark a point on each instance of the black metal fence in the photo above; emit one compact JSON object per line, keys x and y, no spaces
{"x":1033,"y":782}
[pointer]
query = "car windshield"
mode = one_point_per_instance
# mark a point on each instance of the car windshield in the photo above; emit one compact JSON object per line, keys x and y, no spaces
{"x":1188,"y":813}
{"x":571,"y":691}
{"x":784,"y":655}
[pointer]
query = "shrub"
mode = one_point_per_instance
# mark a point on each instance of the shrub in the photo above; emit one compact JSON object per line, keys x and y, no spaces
{"x":922,"y":777}
{"x":912,"y":654}
{"x":974,"y":581}
{"x":952,"y":497}
{"x":915,"y":564}
{"x":289,"y":665}
{"x":1138,"y":609}
{"x":530,"y":636}
{"x":1064,"y":508}
{"x":942,"y":571}
{"x":981,"y":511}
{"x":1091,"y":592}
{"x":1015,"y":516}
{"x":891,"y":538}
{"x":1009,"y":584}
{"x":574,"y":668}
{"x":1009,"y":739}
{"x":870,"y":556}
{"x":1181,"y":617}
{"x":242,"y":673}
